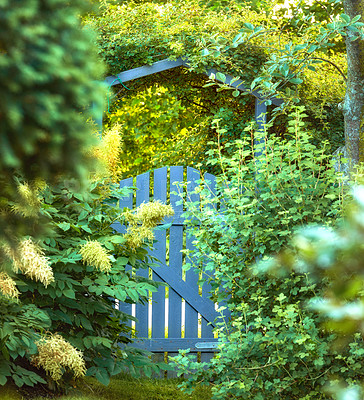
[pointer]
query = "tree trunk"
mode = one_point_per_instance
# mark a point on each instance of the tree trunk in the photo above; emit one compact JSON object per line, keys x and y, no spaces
{"x":353,"y":105}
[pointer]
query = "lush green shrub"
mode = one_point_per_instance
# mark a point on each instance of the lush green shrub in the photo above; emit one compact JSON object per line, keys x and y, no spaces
{"x":81,"y":300}
{"x":267,"y":189}
{"x":335,"y":255}
{"x":77,"y":303}
{"x":273,"y":347}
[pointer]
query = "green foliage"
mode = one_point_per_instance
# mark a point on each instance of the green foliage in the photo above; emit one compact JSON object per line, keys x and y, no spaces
{"x":48,"y":72}
{"x":175,"y":118}
{"x":334,"y":255}
{"x":298,"y":15}
{"x":150,"y":121}
{"x":17,"y":335}
{"x":170,"y":122}
{"x":267,"y":196}
{"x":80,"y":303}
{"x":322,"y":90}
{"x":220,"y":34}
{"x":273,"y":347}
{"x":131,"y":35}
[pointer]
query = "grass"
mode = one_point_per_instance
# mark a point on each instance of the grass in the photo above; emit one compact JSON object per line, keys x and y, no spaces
{"x":122,"y":387}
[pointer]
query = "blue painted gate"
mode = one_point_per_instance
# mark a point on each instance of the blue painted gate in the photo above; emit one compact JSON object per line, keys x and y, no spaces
{"x":182,"y":315}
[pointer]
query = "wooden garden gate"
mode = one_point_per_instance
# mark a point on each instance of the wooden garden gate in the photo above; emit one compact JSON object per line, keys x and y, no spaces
{"x":182,"y":316}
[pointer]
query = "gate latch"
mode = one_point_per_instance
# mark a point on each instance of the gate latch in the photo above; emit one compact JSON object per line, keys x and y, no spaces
{"x":206,"y":345}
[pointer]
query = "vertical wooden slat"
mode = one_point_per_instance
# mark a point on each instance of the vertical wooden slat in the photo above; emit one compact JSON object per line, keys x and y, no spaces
{"x":126,"y":202}
{"x":175,"y":255}
{"x":142,"y":185}
{"x":206,"y":330}
{"x":212,"y":188}
{"x":206,"y":357}
{"x":141,"y":312}
{"x":158,"y":298}
{"x":191,"y":315}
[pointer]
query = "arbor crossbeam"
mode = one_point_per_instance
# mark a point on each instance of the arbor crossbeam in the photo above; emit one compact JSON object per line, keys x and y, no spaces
{"x":163,"y":65}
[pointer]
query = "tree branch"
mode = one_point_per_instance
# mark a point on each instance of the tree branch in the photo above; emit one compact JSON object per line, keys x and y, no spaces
{"x":333,"y":64}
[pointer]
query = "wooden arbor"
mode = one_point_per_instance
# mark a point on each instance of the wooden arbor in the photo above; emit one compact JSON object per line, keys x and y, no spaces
{"x":171,"y":272}
{"x":163,"y":65}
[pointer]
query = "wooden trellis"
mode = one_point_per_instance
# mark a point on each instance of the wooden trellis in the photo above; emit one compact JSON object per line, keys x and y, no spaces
{"x":163,"y":65}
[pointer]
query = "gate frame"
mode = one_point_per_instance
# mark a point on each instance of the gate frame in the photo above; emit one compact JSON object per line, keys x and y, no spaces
{"x":188,"y":289}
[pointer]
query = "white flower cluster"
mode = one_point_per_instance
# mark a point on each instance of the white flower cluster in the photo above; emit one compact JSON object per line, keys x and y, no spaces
{"x":30,"y":260}
{"x":56,"y":354}
{"x":108,"y":153}
{"x":29,"y":202}
{"x":142,"y":222}
{"x":8,"y":286}
{"x":94,"y":254}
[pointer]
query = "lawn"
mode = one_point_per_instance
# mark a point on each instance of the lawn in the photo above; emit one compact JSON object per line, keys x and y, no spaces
{"x":122,"y":387}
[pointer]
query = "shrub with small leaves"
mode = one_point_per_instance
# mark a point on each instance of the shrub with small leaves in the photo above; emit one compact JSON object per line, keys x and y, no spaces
{"x":335,"y":255}
{"x":273,"y":347}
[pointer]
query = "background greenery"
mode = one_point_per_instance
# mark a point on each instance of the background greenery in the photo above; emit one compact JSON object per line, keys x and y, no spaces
{"x":275,"y":347}
{"x":138,"y":33}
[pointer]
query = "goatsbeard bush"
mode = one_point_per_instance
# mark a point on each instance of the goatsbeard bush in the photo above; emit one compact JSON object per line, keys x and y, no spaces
{"x":72,"y":281}
{"x":273,"y":347}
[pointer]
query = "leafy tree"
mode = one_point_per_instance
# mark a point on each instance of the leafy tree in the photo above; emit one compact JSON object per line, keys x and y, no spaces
{"x":286,"y":63}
